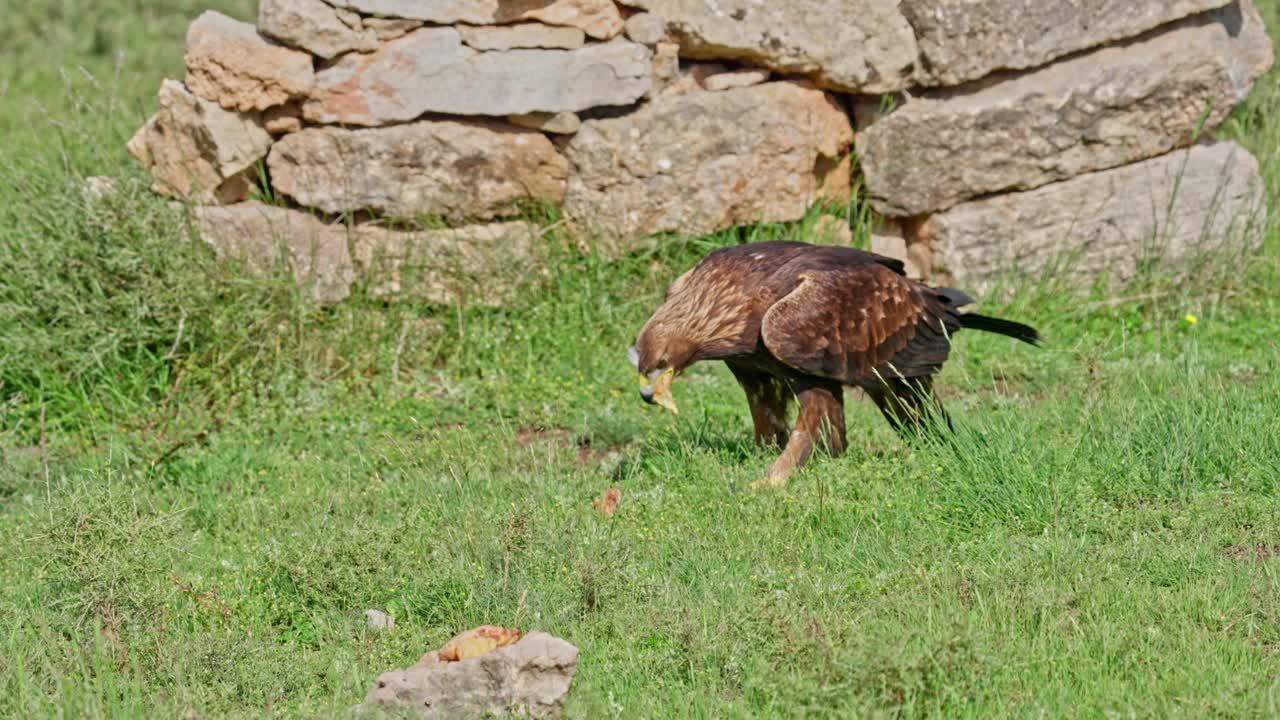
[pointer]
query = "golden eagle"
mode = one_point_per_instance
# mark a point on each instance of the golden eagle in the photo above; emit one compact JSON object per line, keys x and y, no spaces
{"x":793,"y":320}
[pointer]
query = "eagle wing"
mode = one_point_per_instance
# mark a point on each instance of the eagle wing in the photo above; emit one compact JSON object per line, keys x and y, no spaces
{"x":854,"y":322}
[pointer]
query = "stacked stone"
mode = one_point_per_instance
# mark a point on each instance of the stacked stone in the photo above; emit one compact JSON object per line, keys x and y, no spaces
{"x":993,"y":134}
{"x":1072,"y":159}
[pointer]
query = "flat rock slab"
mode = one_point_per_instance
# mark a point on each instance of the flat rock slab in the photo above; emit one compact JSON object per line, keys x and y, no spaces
{"x":196,"y":150}
{"x":229,"y":63}
{"x":962,"y":40}
{"x":264,"y":236}
{"x":481,"y":264}
{"x":459,"y":169}
{"x":1111,"y":107}
{"x":864,"y":46}
{"x":475,"y":264}
{"x":530,"y":678}
{"x":432,"y":70}
{"x":697,"y":162}
{"x":315,"y":26}
{"x":598,"y":18}
{"x":1202,"y":199}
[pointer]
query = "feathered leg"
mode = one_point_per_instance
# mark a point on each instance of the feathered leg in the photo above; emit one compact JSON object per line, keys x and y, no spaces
{"x":821,"y":422}
{"x":768,"y":398}
{"x":909,"y":405}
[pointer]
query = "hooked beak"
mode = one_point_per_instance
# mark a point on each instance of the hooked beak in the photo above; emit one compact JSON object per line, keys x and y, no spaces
{"x":657,"y":390}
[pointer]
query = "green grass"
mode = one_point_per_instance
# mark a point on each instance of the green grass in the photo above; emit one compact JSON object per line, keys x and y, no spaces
{"x":205,"y":480}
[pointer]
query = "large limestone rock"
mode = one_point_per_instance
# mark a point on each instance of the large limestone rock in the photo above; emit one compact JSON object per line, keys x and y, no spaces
{"x":864,"y":46}
{"x":697,"y":162}
{"x":1189,"y":201}
{"x":229,"y":63}
{"x":264,"y":236}
{"x":315,"y":26}
{"x":452,"y":168}
{"x":431,"y":70}
{"x":962,"y":40}
{"x":471,"y":265}
{"x":1111,"y":107}
{"x":530,"y":678}
{"x":598,"y":18}
{"x":196,"y":150}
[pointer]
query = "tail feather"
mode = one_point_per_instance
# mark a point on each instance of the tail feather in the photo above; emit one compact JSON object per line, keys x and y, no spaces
{"x":1016,"y":330}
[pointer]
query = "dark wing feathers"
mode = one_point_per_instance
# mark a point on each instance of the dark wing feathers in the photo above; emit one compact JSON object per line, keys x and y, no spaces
{"x":927,"y":350}
{"x":781,"y":252}
{"x":850,"y":322}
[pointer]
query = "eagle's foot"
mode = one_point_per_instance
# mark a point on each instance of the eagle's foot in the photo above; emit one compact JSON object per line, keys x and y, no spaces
{"x":781,"y":470}
{"x":772,"y":481}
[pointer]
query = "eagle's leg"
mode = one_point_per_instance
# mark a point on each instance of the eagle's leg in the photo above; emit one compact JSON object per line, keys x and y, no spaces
{"x":821,"y":422}
{"x":768,"y":398}
{"x":909,"y":405}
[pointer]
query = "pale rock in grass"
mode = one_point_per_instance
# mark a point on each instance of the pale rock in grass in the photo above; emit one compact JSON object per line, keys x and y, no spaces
{"x":265,"y":236}
{"x":196,"y":150}
{"x":600,"y":19}
{"x":646,"y":28}
{"x":431,"y":70}
{"x":676,"y":165}
{"x":529,"y":678}
{"x":1209,"y":198}
{"x":314,"y":26}
{"x":378,"y":620}
{"x":962,"y":40}
{"x":736,"y":79}
{"x":562,"y":123}
{"x":453,"y":168}
{"x":229,"y":63}
{"x":865,"y":46}
{"x":1114,"y":106}
{"x":99,"y":187}
{"x":522,"y":35}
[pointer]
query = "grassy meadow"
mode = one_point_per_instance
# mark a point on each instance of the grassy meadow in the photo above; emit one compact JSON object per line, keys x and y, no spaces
{"x":205,"y":480}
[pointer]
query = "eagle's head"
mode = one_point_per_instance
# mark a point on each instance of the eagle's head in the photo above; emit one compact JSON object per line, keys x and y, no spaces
{"x":704,"y":317}
{"x":660,"y":355}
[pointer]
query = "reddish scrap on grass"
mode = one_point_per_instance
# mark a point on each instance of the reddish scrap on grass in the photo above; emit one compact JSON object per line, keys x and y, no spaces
{"x":607,"y":503}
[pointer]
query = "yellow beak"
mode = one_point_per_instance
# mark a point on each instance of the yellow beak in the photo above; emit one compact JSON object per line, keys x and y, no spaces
{"x":659,"y":393}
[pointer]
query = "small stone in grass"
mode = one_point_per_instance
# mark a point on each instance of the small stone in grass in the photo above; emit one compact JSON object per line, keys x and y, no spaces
{"x":378,"y":620}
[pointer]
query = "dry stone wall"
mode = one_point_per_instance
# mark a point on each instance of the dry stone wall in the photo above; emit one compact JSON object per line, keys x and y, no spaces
{"x":401,"y":138}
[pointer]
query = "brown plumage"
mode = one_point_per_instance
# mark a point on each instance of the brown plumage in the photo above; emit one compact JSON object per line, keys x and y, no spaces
{"x":798,"y":321}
